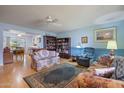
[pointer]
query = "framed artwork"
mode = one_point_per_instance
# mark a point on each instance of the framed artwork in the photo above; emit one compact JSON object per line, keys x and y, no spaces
{"x":36,"y":40}
{"x":104,"y":35}
{"x":84,"y":39}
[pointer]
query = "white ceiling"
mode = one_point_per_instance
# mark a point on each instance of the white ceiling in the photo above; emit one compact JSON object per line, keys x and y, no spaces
{"x":71,"y":17}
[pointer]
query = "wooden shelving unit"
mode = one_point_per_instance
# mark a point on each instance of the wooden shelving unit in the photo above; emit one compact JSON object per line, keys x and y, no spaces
{"x":63,"y":47}
{"x":50,"y":42}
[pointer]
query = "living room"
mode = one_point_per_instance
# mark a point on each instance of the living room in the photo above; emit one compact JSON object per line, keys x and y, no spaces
{"x":63,"y":46}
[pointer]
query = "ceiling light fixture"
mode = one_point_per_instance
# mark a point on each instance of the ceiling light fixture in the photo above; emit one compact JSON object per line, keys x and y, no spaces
{"x":19,"y":35}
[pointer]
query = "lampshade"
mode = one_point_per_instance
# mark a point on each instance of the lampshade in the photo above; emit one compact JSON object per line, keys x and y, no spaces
{"x":112,"y":44}
{"x":78,"y":46}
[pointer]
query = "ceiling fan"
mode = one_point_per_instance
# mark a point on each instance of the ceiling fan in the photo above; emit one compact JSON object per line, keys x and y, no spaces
{"x":50,"y":21}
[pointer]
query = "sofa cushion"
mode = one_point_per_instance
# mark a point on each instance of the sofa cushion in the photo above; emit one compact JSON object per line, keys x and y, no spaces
{"x":52,"y":53}
{"x":55,"y":60}
{"x":44,"y":58}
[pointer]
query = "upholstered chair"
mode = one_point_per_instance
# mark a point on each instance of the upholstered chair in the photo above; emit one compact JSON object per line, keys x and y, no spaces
{"x":118,"y":63}
{"x":86,"y":57}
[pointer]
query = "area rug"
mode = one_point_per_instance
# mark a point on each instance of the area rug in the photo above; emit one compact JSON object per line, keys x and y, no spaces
{"x":57,"y":76}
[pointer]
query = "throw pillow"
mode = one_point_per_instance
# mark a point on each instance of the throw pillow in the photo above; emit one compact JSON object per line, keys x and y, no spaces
{"x":43,"y":53}
{"x":105,"y":60}
{"x":104,"y":72}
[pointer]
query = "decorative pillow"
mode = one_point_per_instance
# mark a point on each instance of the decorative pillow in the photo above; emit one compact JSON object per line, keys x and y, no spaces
{"x":43,"y":53}
{"x":104,"y":71}
{"x":105,"y":60}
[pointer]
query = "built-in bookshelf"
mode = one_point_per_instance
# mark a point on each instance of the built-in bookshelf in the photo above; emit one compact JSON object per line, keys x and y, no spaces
{"x":63,"y":47}
{"x":50,"y":42}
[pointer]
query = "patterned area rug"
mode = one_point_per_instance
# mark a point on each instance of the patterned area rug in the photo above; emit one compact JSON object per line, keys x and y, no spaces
{"x":57,"y":76}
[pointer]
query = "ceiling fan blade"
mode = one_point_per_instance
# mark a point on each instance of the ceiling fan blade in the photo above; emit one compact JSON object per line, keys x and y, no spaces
{"x":36,"y":22}
{"x":57,"y":24}
{"x":55,"y":20}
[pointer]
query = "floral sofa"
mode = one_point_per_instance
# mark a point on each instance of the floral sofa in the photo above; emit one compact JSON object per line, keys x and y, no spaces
{"x":111,"y":79}
{"x":44,"y":58}
{"x":87,"y":80}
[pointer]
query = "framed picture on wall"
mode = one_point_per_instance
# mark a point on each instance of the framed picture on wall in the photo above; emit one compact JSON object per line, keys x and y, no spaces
{"x":106,"y":34}
{"x":84,"y":39}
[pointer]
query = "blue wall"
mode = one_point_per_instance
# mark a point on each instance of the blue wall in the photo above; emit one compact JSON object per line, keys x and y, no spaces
{"x":89,"y":32}
{"x":76,"y":37}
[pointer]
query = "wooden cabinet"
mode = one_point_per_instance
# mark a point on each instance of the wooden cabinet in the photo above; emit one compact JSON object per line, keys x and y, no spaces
{"x":7,"y":56}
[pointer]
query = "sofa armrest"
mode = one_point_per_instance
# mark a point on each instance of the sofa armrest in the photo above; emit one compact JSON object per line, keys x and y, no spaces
{"x":33,"y":62}
{"x":76,"y":83}
{"x":57,"y":54}
{"x":32,"y":58}
{"x":72,"y":84}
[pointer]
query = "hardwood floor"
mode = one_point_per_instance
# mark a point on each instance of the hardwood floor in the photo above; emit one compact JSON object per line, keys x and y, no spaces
{"x":11,"y":75}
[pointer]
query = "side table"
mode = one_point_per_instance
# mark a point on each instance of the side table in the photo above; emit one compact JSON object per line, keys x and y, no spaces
{"x":74,"y":58}
{"x":83,"y":61}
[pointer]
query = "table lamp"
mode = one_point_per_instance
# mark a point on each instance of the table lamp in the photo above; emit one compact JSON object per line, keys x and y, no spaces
{"x":79,"y":47}
{"x":112,"y":45}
